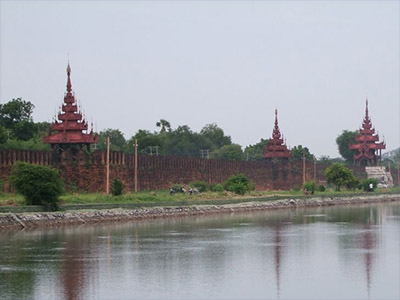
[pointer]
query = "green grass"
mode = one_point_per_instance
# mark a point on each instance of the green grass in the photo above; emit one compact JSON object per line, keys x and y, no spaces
{"x":162,"y":197}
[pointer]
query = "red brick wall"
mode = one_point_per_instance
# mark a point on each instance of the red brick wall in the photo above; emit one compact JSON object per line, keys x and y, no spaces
{"x":88,"y":173}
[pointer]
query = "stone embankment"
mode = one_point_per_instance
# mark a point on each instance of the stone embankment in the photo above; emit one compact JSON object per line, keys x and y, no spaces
{"x":49,"y":219}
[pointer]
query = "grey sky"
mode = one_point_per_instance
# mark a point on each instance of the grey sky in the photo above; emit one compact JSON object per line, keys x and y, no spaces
{"x":200,"y":62}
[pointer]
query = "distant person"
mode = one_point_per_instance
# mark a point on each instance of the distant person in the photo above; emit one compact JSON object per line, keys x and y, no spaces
{"x":196,"y":191}
{"x":305,"y":192}
{"x":190,"y":191}
{"x":171,"y":191}
{"x":183,"y":190}
{"x":371,"y":187}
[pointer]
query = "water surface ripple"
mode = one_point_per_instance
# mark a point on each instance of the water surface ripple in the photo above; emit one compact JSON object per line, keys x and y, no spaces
{"x":349,"y":252}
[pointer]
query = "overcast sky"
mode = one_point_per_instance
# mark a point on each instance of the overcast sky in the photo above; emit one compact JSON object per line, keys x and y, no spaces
{"x":200,"y":62}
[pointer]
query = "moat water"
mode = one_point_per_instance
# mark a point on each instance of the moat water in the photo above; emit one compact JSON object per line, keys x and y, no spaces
{"x":348,"y":252}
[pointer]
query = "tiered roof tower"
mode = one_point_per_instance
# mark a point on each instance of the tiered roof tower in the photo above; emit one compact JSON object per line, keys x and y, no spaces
{"x":70,"y":124}
{"x":276,"y":148}
{"x":367,"y":143}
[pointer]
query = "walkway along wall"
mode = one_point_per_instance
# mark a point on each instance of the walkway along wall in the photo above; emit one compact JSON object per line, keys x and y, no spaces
{"x":87,"y":172}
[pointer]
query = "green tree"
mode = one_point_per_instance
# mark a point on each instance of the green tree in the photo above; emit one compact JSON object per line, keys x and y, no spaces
{"x":216,"y":135}
{"x":255,"y":152}
{"x":338,"y":175}
{"x":239,"y":184}
{"x":298,"y":151}
{"x":15,"y":111}
{"x":3,"y":134}
{"x":396,"y":157}
{"x":145,"y":140}
{"x":343,"y":141}
{"x":164,"y":124}
{"x":39,"y":185}
{"x":16,"y":116}
{"x":117,"y":140}
{"x":24,"y":130}
{"x":183,"y":141}
{"x":228,"y":152}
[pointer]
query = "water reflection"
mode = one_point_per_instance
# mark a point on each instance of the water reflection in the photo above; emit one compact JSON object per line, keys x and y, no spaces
{"x":325,"y":253}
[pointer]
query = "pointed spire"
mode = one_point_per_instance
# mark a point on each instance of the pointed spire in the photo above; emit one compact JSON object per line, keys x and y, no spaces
{"x":69,"y":86}
{"x":366,"y":107}
{"x":276,"y":147}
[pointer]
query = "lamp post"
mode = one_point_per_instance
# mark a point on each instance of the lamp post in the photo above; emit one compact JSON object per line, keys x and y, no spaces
{"x":108,"y":167}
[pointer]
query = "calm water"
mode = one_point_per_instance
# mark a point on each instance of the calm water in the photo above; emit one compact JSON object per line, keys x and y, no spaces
{"x":327,"y":253}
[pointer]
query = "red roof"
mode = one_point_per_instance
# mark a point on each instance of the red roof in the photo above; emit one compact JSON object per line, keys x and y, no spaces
{"x":276,"y":147}
{"x":70,"y":124}
{"x":367,"y":141}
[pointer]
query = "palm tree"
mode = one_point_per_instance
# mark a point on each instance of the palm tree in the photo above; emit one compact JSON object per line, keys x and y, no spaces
{"x":164,"y":124}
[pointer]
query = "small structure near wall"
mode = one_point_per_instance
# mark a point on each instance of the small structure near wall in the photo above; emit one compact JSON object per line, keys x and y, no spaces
{"x":367,"y":143}
{"x":383,"y":177}
{"x":67,"y":136}
{"x":276,"y":147}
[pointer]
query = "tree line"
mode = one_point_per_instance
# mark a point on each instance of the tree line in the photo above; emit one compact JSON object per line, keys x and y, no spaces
{"x":19,"y":131}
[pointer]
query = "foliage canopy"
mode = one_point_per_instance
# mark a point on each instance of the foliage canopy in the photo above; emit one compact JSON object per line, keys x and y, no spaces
{"x":343,"y":141}
{"x":338,"y":175}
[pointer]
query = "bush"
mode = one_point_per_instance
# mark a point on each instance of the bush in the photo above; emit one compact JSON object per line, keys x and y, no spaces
{"x":39,"y":185}
{"x":364,"y":185}
{"x":117,"y":187}
{"x":239,"y":184}
{"x":200,"y":185}
{"x":218,"y":188}
{"x":178,"y":188}
{"x":309,"y":186}
{"x":321,"y":188}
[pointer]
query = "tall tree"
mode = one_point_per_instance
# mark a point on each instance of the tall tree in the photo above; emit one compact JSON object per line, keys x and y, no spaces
{"x":146,"y":139}
{"x":396,"y":157}
{"x":228,"y":152}
{"x":343,"y":141}
{"x":255,"y":152}
{"x":117,"y":140}
{"x":183,"y":141}
{"x":15,"y":111}
{"x":298,"y":151}
{"x":16,"y":116}
{"x":216,"y":135}
{"x":164,"y":124}
{"x":3,"y":134}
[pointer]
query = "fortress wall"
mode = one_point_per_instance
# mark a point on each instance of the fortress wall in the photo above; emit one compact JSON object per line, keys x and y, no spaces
{"x":86,"y":172}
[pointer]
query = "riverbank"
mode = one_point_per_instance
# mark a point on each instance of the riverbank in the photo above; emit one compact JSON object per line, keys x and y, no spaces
{"x":50,"y":219}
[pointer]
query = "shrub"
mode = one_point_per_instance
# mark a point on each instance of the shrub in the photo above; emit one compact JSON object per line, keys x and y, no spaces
{"x":39,"y":185}
{"x":218,"y":188}
{"x":309,"y":186}
{"x":239,"y":184}
{"x":321,"y":188}
{"x":117,"y":187}
{"x":178,"y":188}
{"x":353,"y":183}
{"x":200,"y":185}
{"x":366,"y":182}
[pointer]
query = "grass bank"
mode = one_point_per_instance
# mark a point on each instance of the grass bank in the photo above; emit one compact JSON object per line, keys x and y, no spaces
{"x":163,"y":198}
